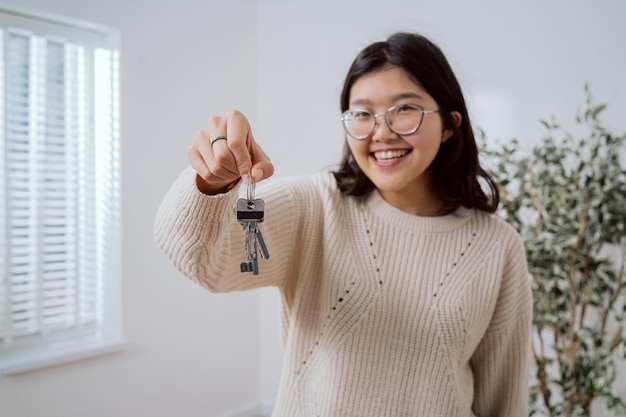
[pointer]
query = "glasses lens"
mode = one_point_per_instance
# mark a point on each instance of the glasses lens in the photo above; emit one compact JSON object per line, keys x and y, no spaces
{"x":359,"y":123}
{"x":405,"y":119}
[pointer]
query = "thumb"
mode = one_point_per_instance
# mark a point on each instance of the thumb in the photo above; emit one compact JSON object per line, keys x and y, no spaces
{"x":262,"y":167}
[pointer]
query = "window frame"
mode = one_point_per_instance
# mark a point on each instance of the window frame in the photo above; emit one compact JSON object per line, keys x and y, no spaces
{"x":108,"y":336}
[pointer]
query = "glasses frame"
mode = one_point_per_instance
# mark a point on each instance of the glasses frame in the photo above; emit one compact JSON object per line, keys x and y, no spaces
{"x":344,"y":119}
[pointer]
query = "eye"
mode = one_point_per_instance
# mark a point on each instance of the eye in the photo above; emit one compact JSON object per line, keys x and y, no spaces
{"x":404,"y":108}
{"x":360,"y":114}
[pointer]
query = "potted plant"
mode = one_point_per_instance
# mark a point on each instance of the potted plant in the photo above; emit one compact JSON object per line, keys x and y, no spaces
{"x":567,"y":198}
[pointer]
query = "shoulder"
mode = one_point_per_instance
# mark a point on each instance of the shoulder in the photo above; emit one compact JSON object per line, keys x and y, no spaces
{"x":496,"y":226}
{"x":501,"y":236}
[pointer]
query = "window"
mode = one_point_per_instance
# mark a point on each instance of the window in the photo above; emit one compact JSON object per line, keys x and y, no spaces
{"x":60,"y":238}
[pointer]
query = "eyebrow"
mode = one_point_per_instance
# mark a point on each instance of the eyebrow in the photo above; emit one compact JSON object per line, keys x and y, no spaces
{"x":401,"y":96}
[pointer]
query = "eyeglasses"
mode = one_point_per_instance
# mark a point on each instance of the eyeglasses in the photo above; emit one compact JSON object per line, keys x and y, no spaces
{"x":403,"y":119}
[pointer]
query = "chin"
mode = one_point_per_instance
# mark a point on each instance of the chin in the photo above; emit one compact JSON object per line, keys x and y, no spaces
{"x":389,"y":188}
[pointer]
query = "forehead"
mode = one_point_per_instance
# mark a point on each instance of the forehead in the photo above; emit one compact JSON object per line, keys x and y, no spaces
{"x":386,"y":86}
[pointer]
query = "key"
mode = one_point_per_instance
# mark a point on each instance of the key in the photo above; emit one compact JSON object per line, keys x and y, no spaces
{"x":251,"y":212}
{"x":259,"y":238}
{"x":252,"y":262}
{"x":248,"y":265}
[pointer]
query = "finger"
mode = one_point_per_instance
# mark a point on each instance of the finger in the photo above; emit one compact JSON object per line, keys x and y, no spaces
{"x":214,"y":152}
{"x":197,"y":163}
{"x":263,"y":167}
{"x":219,"y":159}
{"x":206,"y":182}
{"x":203,"y":160}
{"x":211,"y":148}
{"x":240,"y":141}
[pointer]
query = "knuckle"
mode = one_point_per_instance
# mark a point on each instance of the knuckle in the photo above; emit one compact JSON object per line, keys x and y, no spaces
{"x":214,"y":121}
{"x":222,"y":158}
{"x":193,"y":151}
{"x":198,"y":138}
{"x":234,"y":113}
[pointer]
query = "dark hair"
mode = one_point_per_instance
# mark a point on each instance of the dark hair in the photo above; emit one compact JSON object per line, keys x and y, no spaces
{"x":455,"y":174}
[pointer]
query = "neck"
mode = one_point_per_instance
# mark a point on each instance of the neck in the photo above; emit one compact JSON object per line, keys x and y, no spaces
{"x":419,"y":204}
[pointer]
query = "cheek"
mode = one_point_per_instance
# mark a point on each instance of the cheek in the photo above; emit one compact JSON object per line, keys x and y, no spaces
{"x":426,"y":139}
{"x":358,"y":148}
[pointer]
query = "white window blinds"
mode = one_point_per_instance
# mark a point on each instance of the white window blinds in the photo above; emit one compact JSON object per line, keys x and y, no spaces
{"x":59,"y":192}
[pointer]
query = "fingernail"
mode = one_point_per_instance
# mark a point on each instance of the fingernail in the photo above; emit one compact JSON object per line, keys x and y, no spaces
{"x":258,"y":174}
{"x":246,"y":179}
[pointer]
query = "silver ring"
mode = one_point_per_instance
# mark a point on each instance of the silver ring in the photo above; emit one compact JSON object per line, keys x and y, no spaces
{"x":215,"y":139}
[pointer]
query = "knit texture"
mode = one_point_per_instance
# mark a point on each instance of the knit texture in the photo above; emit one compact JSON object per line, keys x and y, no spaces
{"x":383,"y":313}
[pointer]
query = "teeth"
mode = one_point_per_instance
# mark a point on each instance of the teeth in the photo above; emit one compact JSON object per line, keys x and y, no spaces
{"x":388,"y":155}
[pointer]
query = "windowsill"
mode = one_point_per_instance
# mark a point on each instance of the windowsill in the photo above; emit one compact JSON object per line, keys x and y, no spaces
{"x":30,"y":360}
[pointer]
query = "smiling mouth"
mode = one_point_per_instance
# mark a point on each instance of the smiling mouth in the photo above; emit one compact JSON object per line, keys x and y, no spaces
{"x":385,"y":156}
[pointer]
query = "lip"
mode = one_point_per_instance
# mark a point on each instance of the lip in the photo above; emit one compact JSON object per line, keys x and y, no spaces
{"x":390,"y":162}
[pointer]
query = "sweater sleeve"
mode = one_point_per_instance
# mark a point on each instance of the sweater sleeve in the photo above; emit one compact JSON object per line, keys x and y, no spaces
{"x":202,"y":237}
{"x":502,"y":359}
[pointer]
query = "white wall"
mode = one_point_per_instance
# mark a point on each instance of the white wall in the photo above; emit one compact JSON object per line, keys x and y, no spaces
{"x":283,"y":62}
{"x":190,"y":353}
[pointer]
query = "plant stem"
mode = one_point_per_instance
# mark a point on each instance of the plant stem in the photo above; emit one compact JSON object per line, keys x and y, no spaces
{"x":542,"y":374}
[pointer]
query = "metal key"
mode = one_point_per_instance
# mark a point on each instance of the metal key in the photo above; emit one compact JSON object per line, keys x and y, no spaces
{"x":254,"y":244}
{"x":265,"y":254}
{"x":251,"y":212}
{"x":252,"y":262}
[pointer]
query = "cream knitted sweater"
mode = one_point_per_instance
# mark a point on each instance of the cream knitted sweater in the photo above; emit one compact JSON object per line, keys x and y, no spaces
{"x":383,"y":313}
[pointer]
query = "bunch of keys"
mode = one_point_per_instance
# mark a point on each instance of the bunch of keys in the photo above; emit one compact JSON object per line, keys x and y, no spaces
{"x":251,"y":212}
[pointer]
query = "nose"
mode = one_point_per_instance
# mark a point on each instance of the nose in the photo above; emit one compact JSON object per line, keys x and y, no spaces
{"x":382,"y":132}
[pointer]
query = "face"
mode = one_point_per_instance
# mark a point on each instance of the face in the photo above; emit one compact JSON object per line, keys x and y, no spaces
{"x":397,"y":164}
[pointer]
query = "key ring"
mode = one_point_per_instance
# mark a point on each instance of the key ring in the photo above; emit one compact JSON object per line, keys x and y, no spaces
{"x":250,"y":190}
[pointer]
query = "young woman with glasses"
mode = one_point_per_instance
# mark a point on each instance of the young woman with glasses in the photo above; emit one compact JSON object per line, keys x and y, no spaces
{"x":402,"y":294}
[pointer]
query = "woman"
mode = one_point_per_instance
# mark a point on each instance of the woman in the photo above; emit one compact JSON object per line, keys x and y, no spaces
{"x":402,"y":294}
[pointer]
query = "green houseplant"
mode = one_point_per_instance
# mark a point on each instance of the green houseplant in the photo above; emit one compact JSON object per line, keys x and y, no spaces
{"x":567,"y":198}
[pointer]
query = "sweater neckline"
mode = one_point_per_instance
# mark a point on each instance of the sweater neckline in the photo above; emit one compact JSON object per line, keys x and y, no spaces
{"x":387,"y":213}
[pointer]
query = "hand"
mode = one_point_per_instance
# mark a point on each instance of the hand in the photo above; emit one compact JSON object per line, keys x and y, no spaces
{"x":225,"y":161}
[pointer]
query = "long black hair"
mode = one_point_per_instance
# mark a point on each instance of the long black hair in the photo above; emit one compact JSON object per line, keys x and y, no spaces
{"x":455,"y":174}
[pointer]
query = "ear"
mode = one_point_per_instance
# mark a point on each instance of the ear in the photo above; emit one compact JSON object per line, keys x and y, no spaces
{"x":456,"y":120}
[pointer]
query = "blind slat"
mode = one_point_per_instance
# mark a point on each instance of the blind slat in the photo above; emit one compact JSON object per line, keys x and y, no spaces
{"x":53,"y":220}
